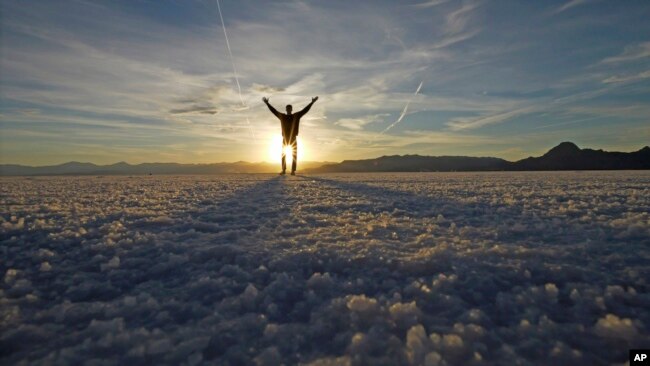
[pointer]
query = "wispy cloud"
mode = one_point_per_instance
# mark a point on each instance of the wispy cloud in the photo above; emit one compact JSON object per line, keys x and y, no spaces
{"x":570,"y":4}
{"x":455,"y":38}
{"x":631,"y":53}
{"x":429,"y":4}
{"x":628,"y":78}
{"x":458,"y":26}
{"x":573,"y":121}
{"x":458,"y":20}
{"x":359,"y":122}
{"x":459,"y":124}
{"x":194,"y":109}
{"x":636,"y":111}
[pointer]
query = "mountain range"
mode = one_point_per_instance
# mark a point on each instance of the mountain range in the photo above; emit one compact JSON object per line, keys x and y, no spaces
{"x":565,"y":156}
{"x":122,"y":168}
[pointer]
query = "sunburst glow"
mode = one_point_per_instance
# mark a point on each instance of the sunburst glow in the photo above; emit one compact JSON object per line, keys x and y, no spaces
{"x":274,"y":151}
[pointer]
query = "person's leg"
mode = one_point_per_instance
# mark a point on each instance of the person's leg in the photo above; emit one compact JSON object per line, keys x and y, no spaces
{"x":284,"y":159}
{"x":294,"y":155}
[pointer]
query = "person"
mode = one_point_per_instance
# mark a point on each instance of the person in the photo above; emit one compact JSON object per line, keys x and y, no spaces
{"x":290,"y":126}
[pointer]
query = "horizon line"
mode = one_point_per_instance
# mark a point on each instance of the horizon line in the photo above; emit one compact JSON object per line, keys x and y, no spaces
{"x":304,"y":162}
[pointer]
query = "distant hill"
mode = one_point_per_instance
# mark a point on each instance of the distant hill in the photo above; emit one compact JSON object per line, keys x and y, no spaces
{"x":568,"y":156}
{"x":565,"y":156}
{"x":122,"y":168}
{"x":415,"y":163}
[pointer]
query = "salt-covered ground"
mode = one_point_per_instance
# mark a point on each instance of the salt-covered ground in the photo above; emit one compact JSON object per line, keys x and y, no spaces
{"x":381,"y":269}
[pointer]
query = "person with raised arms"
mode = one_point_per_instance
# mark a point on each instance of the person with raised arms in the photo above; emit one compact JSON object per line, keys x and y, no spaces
{"x":290,"y":123}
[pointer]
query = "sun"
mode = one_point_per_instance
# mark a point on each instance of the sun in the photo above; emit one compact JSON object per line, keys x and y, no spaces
{"x":274,"y":151}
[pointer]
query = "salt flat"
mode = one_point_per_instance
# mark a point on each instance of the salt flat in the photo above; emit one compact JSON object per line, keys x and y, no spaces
{"x":430,"y":268}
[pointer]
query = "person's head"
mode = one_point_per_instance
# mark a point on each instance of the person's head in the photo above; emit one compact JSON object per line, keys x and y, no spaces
{"x":289,"y":108}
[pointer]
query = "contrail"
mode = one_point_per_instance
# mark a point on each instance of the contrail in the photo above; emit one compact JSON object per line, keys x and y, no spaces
{"x":406,"y":107}
{"x":234,"y":69}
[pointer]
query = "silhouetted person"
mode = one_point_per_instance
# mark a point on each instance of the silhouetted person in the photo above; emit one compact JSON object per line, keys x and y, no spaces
{"x":290,"y":126}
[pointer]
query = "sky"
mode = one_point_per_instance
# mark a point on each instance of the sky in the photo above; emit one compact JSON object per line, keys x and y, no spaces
{"x":153,"y":81}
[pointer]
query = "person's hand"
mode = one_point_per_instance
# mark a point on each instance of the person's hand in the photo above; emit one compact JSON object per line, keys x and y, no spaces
{"x":314,"y":99}
{"x":265,"y":99}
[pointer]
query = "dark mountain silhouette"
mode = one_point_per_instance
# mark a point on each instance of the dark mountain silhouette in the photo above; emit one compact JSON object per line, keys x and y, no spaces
{"x":565,"y":156}
{"x":568,"y":156}
{"x":415,"y":163}
{"x":122,"y":168}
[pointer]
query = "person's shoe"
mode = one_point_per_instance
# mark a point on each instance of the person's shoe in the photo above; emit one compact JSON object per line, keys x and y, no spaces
{"x":282,"y":172}
{"x":293,"y":173}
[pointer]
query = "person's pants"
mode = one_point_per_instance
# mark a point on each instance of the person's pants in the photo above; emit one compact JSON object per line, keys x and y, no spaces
{"x":294,"y":155}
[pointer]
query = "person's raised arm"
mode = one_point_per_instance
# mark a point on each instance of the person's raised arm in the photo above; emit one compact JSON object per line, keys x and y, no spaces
{"x":306,"y":109}
{"x":273,"y":110}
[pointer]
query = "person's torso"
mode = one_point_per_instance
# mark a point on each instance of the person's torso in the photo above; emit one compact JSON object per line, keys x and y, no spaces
{"x":290,"y":125}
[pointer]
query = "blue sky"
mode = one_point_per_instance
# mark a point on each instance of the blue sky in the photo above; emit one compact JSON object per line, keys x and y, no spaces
{"x":151,"y":81}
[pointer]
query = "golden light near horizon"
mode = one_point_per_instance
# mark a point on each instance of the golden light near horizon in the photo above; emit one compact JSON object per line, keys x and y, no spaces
{"x":275,"y":148}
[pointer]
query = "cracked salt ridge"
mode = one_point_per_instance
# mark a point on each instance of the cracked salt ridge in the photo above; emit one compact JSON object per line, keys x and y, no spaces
{"x":494,"y":268}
